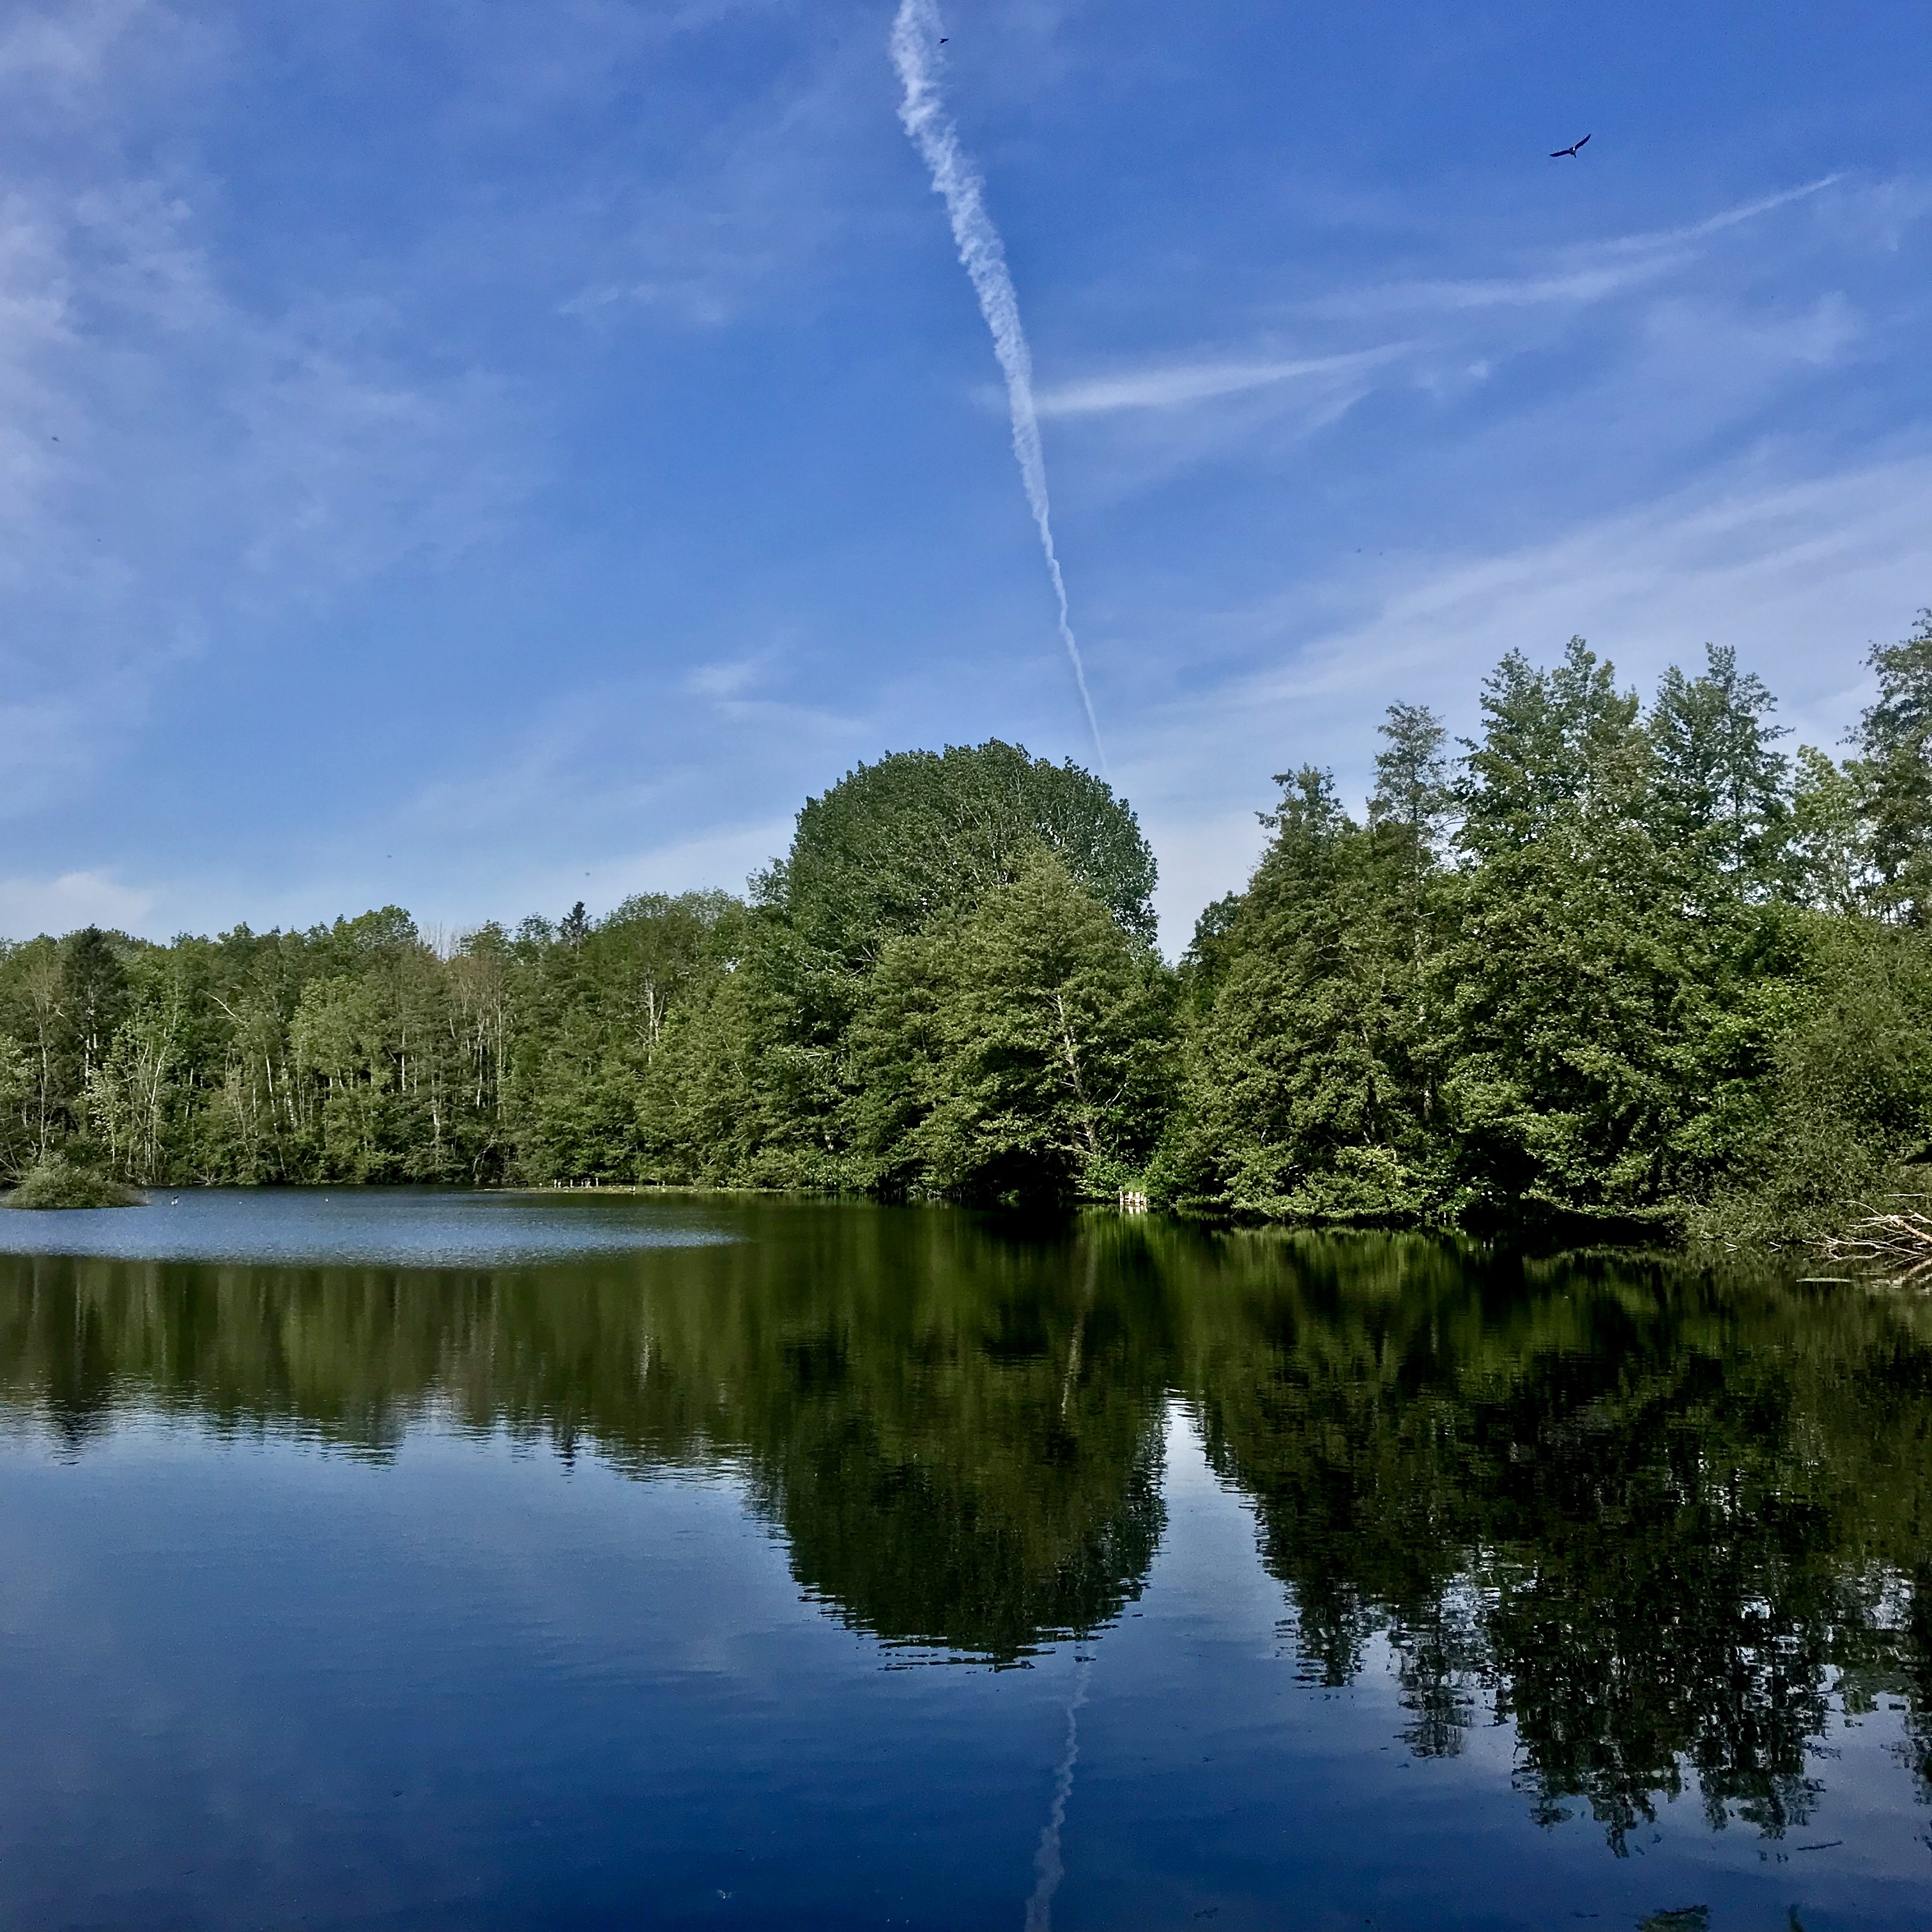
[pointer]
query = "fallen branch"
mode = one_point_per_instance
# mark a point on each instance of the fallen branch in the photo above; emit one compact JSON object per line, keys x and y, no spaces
{"x":1904,"y":1234}
{"x":1900,"y":1235}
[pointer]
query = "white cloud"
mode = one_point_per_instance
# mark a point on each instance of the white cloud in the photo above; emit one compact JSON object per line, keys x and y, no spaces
{"x":63,"y":49}
{"x":740,"y":209}
{"x":730,"y":680}
{"x":32,"y":906}
{"x":1604,"y":366}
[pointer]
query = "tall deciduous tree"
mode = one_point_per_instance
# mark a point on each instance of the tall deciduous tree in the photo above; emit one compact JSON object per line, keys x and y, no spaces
{"x":1019,"y":1050}
{"x":1304,"y":1092}
{"x":894,"y":845}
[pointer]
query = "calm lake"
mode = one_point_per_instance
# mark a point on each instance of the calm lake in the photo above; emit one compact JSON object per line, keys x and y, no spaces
{"x":424,"y":1560}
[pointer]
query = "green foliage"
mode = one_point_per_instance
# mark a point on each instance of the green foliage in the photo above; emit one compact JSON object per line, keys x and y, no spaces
{"x":1719,"y":792}
{"x":1895,"y":740}
{"x":1632,"y":970}
{"x":54,"y":1183}
{"x":1575,"y":969}
{"x":948,"y":985}
{"x":1617,"y":969}
{"x":351,"y":1052}
{"x":1845,"y":1095}
{"x":1305,"y":1095}
{"x":894,"y":846}
{"x":1014,"y":1052}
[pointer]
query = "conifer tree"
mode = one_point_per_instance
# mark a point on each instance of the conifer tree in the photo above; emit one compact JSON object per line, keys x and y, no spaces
{"x":1895,"y":740}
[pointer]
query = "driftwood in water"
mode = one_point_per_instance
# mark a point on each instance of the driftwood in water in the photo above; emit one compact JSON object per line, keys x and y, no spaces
{"x":1903,"y":1234}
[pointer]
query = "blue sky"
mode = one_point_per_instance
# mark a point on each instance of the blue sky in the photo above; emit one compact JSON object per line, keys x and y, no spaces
{"x":479,"y":457}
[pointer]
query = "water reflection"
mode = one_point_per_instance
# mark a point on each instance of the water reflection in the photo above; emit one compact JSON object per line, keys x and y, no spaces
{"x":1655,"y":1518}
{"x":1652,"y":1519}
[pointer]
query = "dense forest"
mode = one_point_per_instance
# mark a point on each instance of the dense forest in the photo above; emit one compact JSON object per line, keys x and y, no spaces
{"x":1608,"y":964}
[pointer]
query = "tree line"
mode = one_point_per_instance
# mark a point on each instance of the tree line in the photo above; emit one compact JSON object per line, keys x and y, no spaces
{"x":1609,"y":964}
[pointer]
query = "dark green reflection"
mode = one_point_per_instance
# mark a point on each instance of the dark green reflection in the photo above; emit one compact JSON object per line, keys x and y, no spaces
{"x":958,"y":1431}
{"x":1654,"y":1518}
{"x":1648,"y":1516}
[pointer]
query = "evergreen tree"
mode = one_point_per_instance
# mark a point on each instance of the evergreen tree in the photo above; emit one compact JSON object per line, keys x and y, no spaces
{"x":1302,"y":1096}
{"x":1721,"y":791}
{"x":1894,"y":739}
{"x":1579,"y":994}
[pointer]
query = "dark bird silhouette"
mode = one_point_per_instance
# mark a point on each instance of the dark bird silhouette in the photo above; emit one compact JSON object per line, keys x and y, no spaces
{"x":1575,"y":148}
{"x":943,"y":39}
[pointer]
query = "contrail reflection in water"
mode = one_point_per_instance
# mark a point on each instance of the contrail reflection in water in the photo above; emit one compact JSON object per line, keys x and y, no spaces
{"x":1046,"y":1861}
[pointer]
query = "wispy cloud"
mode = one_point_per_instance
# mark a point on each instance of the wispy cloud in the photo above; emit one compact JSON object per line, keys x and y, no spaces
{"x":709,"y":231}
{"x":1632,"y":345}
{"x":1729,"y":217}
{"x":63,"y":48}
{"x":1576,"y":275}
{"x":1173,"y":385}
{"x":1799,"y":575}
{"x":179,"y":464}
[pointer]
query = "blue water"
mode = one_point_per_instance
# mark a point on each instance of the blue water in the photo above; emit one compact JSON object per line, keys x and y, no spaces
{"x":411,"y":1227}
{"x":508,"y":1590}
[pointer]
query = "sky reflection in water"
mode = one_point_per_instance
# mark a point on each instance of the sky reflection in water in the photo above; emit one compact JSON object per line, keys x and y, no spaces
{"x":1281,"y":1581}
{"x":403,"y":1228}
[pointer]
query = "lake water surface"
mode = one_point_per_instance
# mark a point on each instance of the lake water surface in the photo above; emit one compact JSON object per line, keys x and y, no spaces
{"x":425,"y":1560}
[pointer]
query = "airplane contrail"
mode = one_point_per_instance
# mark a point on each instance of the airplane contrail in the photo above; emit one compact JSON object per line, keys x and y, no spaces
{"x":915,"y":47}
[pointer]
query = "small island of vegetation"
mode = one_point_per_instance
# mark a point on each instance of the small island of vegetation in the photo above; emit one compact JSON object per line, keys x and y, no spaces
{"x":52,"y":1182}
{"x":1612,"y":967}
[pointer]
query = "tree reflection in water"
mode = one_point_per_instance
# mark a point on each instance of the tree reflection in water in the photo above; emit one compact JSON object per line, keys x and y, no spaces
{"x":1656,"y":1519}
{"x":1651,"y":1518}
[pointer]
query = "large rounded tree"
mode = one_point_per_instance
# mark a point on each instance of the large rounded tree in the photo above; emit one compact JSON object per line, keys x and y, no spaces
{"x":893,"y":845}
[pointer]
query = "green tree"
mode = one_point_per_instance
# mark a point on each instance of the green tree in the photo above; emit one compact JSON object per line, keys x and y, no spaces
{"x":1019,"y":1050}
{"x":340,"y":1038}
{"x":18,"y":1141}
{"x":894,"y":845}
{"x":1828,"y":860}
{"x":1308,"y":1092}
{"x":1303,"y":1097}
{"x":1720,"y":791}
{"x":1895,"y":740}
{"x":1579,"y":994}
{"x":93,"y":995}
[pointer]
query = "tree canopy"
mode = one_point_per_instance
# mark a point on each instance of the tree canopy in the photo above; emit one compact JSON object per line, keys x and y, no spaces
{"x":1608,"y":966}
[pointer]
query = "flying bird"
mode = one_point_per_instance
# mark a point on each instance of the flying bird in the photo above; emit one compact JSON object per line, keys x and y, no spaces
{"x":1575,"y":148}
